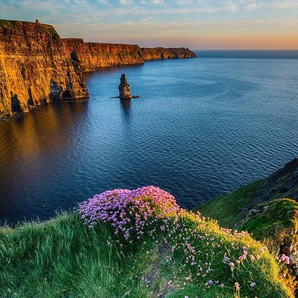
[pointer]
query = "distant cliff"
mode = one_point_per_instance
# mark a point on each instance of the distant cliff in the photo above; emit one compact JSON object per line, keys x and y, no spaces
{"x":34,"y":68}
{"x":166,"y":53}
{"x":37,"y":66}
{"x":93,"y":55}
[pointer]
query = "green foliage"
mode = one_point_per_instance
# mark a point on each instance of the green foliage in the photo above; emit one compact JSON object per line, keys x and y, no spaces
{"x":6,"y":24}
{"x":183,"y":256}
{"x":227,"y":209}
{"x":9,"y":24}
{"x":272,"y":218}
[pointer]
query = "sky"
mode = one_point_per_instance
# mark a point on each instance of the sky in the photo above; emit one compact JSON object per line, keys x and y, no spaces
{"x":196,"y":24}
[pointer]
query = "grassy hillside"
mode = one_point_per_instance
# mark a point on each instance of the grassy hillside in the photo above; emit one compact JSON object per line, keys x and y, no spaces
{"x":274,"y":222}
{"x":228,"y":209}
{"x":135,"y":244}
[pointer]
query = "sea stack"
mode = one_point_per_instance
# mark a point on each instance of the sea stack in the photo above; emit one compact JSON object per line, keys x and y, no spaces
{"x":124,"y":88}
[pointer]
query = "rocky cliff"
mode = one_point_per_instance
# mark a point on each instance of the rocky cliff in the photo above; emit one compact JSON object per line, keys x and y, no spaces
{"x":93,"y":55}
{"x":34,"y":68}
{"x":166,"y":53}
{"x":37,"y":66}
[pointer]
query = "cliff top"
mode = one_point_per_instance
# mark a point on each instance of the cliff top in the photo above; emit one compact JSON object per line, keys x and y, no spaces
{"x":11,"y":25}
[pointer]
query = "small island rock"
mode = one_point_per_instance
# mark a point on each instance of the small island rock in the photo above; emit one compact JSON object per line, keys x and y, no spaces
{"x":124,"y":88}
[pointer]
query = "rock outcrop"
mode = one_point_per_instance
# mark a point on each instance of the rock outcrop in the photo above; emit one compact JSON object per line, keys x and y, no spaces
{"x":34,"y":68}
{"x":37,"y":66}
{"x":124,"y":88}
{"x":281,"y":184}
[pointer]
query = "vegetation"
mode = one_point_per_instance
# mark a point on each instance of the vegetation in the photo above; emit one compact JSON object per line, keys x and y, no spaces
{"x":167,"y":252}
{"x":9,"y":24}
{"x":275,"y":223}
{"x":227,"y":209}
{"x":6,"y":24}
{"x":273,"y":219}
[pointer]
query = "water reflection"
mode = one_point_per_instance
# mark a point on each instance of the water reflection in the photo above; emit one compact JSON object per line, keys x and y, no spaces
{"x":31,"y":150}
{"x":39,"y":130}
{"x":126,"y":108}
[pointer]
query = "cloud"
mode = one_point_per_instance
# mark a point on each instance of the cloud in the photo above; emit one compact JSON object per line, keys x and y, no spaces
{"x":232,"y":7}
{"x":105,"y":2}
{"x":125,"y":2}
{"x":158,"y":2}
{"x":149,"y":20}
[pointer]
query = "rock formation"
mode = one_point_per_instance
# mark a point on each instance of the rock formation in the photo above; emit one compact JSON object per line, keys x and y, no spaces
{"x":34,"y":68}
{"x":124,"y":88}
{"x":37,"y":66}
{"x":281,"y":184}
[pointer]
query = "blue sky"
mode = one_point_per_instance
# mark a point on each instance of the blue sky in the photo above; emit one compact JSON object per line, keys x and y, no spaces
{"x":195,"y":24}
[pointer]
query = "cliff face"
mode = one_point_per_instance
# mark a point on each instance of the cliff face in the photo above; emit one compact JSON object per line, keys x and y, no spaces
{"x":166,"y":53}
{"x":93,"y":55}
{"x":34,"y":68}
{"x":37,"y":66}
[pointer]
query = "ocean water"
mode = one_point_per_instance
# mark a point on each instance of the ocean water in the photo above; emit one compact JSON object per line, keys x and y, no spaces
{"x":202,"y":128}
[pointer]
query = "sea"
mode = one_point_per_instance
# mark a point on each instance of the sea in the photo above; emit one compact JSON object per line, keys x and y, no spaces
{"x":202,"y":128}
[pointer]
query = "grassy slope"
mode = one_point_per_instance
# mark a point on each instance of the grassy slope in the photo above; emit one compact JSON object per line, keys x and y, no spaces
{"x":226,"y":209}
{"x":65,"y":258}
{"x":275,"y":222}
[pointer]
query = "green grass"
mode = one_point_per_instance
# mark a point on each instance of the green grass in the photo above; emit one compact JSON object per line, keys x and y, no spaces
{"x":65,"y":258}
{"x":227,"y":209}
{"x":272,"y":219}
{"x":60,"y":258}
{"x":275,"y":222}
{"x":9,"y":24}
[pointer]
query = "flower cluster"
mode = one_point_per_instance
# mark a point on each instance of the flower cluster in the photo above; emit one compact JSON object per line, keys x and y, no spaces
{"x":129,"y":212}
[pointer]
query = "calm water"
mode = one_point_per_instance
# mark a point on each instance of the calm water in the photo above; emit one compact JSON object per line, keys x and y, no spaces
{"x":202,"y":128}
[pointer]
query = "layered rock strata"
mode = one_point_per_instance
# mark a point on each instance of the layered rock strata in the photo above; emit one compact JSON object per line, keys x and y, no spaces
{"x":34,"y":68}
{"x":92,"y":56}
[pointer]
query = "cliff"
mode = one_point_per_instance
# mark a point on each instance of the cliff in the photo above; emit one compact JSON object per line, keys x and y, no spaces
{"x":166,"y":53}
{"x":34,"y":68}
{"x":93,"y":55}
{"x":37,"y":66}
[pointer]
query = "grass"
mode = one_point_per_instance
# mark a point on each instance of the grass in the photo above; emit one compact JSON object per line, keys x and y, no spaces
{"x":275,"y":222}
{"x":60,"y":258}
{"x":273,"y":219}
{"x":227,"y":209}
{"x":9,"y":24}
{"x":177,"y":256}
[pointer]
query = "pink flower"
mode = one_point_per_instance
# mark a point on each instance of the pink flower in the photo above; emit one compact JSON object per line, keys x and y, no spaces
{"x":237,"y":287}
{"x":285,"y":259}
